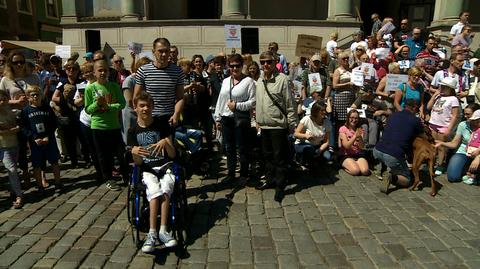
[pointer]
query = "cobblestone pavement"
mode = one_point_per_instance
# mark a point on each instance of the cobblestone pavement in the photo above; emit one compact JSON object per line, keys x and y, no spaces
{"x":325,"y":221}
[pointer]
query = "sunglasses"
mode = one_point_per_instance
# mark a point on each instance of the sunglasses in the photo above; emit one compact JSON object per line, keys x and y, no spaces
{"x":235,"y":65}
{"x":262,"y":62}
{"x":18,"y":62}
{"x":34,"y":95}
{"x":345,"y":58}
{"x":118,"y":62}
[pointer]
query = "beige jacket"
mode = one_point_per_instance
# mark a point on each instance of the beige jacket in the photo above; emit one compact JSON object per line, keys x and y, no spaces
{"x":269,"y":116}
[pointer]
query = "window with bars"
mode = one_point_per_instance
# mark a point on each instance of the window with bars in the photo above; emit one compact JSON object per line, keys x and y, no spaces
{"x":24,"y":6}
{"x":52,"y":8}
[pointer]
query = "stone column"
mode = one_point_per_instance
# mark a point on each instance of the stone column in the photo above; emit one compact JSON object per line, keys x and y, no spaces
{"x":340,"y":10}
{"x":232,"y":9}
{"x":69,"y":11}
{"x":446,"y":12}
{"x":128,"y":10}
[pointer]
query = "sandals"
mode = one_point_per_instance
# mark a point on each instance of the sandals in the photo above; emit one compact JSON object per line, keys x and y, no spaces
{"x":18,"y":203}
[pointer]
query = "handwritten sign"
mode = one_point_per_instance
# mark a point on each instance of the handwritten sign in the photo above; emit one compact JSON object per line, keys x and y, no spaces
{"x":308,"y":45}
{"x":393,"y":80}
{"x":233,"y":36}
{"x":134,"y":47}
{"x":315,"y":82}
{"x":63,"y":51}
{"x":357,"y":77}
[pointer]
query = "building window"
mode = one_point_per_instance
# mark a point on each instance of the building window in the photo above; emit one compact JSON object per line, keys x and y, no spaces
{"x":24,"y":6}
{"x":3,"y":3}
{"x":51,"y":8}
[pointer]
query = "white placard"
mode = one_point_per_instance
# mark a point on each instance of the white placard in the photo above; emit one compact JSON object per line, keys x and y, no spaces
{"x":315,"y":82}
{"x":233,"y":36}
{"x":361,"y":112}
{"x":63,"y":51}
{"x":357,"y":77}
{"x":393,"y":80}
{"x":405,"y":64}
{"x":382,"y":53}
{"x":467,"y":65}
{"x":368,"y":70}
{"x":81,"y":86}
{"x":135,"y":47}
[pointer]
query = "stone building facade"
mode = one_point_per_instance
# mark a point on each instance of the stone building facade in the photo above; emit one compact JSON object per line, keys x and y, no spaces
{"x":198,"y":26}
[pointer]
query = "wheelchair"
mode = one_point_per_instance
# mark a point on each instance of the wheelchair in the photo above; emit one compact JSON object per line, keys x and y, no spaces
{"x":138,"y":207}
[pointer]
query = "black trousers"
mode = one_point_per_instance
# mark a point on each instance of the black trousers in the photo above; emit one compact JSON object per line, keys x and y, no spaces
{"x":275,"y":147}
{"x":109,"y":144}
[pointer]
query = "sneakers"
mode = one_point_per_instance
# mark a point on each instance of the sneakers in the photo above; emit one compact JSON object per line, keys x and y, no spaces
{"x":468,"y":180}
{"x":385,"y":184}
{"x":150,"y":243}
{"x":440,"y":170}
{"x":112,"y":185}
{"x":167,"y":240}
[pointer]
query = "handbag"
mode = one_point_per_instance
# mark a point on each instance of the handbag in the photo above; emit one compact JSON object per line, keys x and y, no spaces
{"x":241,"y":118}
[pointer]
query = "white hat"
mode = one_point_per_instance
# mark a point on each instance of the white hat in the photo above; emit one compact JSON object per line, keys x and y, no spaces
{"x":473,"y":60}
{"x":449,"y":82}
{"x":475,"y":115}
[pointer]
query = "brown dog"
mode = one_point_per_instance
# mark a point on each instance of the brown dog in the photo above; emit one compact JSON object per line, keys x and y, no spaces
{"x":424,"y":151}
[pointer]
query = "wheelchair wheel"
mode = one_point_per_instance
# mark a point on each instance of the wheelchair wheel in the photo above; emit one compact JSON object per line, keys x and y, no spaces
{"x":181,"y":216}
{"x":137,"y":212}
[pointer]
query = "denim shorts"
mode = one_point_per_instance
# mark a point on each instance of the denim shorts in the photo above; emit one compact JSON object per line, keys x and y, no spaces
{"x":397,"y":166}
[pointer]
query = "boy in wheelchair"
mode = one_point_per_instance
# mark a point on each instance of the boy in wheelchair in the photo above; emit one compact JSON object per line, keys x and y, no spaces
{"x":153,"y":150}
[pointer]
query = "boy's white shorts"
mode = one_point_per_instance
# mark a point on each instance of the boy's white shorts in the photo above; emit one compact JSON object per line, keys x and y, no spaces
{"x":156,"y":188}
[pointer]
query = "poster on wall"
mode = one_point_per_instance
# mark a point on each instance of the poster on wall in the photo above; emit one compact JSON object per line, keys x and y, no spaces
{"x":233,"y":36}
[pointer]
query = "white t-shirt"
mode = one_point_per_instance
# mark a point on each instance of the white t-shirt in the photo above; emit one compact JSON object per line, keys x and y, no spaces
{"x":318,"y":131}
{"x":456,"y":29}
{"x":331,"y":45}
{"x":441,"y":114}
{"x":440,"y":75}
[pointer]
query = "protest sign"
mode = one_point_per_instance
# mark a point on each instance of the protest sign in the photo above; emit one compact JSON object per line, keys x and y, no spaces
{"x":308,"y":45}
{"x":233,"y":36}
{"x":382,"y":53}
{"x":63,"y":51}
{"x":357,"y":77}
{"x":134,"y":47}
{"x":368,"y":70}
{"x":315,"y":82}
{"x":393,"y":80}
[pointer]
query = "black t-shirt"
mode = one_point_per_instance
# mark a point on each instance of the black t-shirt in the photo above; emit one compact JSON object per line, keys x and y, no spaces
{"x":144,"y":137}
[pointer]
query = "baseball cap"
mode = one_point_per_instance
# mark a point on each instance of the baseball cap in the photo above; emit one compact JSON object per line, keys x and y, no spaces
{"x":88,"y":55}
{"x":474,"y":60}
{"x":475,"y":115}
{"x":315,"y":57}
{"x":209,"y":58}
{"x":449,"y":82}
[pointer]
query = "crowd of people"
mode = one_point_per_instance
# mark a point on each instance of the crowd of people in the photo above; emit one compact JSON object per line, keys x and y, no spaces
{"x":311,"y":111}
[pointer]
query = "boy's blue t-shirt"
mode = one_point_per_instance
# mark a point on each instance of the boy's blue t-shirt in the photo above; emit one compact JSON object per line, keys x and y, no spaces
{"x":38,"y":122}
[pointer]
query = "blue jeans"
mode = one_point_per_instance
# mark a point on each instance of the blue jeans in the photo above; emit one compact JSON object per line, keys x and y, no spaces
{"x":457,"y":167}
{"x":9,"y":158}
{"x":308,"y":152}
{"x":397,"y":166}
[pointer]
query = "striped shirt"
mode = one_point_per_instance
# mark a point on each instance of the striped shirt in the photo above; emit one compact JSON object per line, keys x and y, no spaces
{"x":161,"y":84}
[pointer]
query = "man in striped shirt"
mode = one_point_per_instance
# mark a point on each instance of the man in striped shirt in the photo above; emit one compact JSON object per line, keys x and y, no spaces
{"x":163,"y":81}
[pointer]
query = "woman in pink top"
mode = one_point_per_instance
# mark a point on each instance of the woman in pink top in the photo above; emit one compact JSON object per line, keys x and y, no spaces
{"x":473,"y":150}
{"x":351,"y":144}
